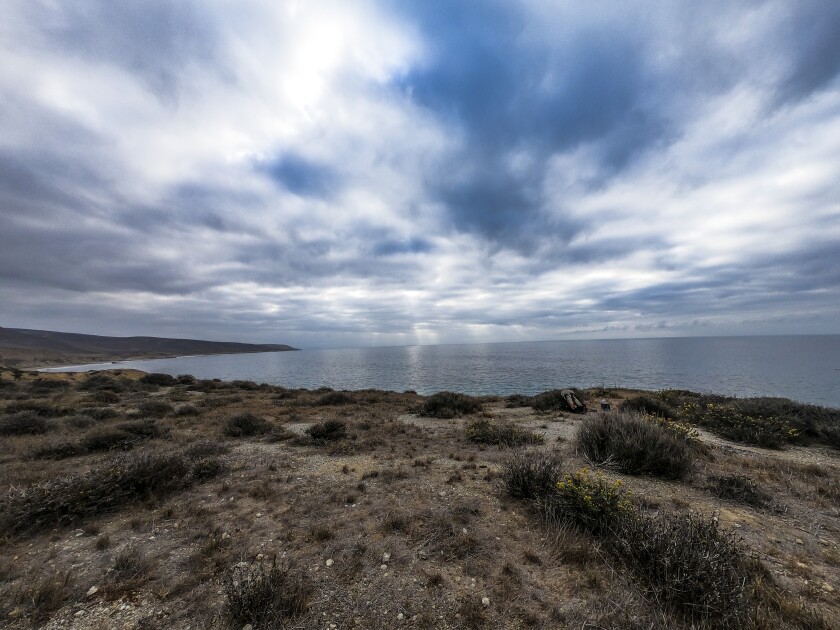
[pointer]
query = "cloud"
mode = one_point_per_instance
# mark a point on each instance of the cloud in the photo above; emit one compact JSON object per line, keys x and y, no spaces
{"x":378,"y":172}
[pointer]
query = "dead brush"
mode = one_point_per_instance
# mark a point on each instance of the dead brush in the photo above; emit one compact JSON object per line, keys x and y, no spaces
{"x":485,"y":432}
{"x":739,"y":488}
{"x":265,"y":595}
{"x":530,"y":475}
{"x":38,"y":596}
{"x":327,"y":431}
{"x":70,"y":499}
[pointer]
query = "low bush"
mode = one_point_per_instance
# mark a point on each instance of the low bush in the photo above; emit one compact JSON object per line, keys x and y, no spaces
{"x":161,"y":380}
{"x":635,"y":445}
{"x":101,"y":382}
{"x":185,"y":379}
{"x":186,"y":410}
{"x":79,"y":421}
{"x":484,"y":432}
{"x":739,"y":488}
{"x":47,"y":386}
{"x":100,"y":413}
{"x":517,"y":400}
{"x":588,"y":502}
{"x":105,"y":397}
{"x":265,"y":595}
{"x":327,"y":431}
{"x":741,"y":423}
{"x":206,"y":448}
{"x":245,"y":425}
{"x":648,"y":405}
{"x":448,"y":405}
{"x":553,"y":400}
{"x":23,"y":423}
{"x":688,"y":565}
{"x":39,"y":596}
{"x":335,"y":398}
{"x":530,"y":475}
{"x":34,"y":407}
{"x":67,"y":500}
{"x":155,"y":408}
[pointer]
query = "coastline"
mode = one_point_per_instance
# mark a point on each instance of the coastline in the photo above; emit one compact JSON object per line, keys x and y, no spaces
{"x":78,"y":361}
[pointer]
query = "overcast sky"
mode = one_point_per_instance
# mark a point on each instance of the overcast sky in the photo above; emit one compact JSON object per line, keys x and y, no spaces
{"x":351,"y":172}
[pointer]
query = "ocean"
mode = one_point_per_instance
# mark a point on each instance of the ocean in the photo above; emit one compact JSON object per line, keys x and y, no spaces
{"x":804,"y":368}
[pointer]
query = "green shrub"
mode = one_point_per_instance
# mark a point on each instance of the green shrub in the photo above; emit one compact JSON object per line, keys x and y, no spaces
{"x":484,"y":432}
{"x":728,"y":420}
{"x":265,"y":595}
{"x":635,"y":445}
{"x":186,"y":410}
{"x":448,"y":405}
{"x":185,"y":379}
{"x":67,"y":500}
{"x":161,"y":380}
{"x":23,"y":423}
{"x":647,"y":405}
{"x":327,"y":431}
{"x":589,"y":502}
{"x":530,"y":475}
{"x":245,"y":425}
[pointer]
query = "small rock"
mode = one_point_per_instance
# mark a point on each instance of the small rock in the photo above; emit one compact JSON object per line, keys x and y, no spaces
{"x":401,"y":616}
{"x":384,"y":567}
{"x":259,"y":514}
{"x":799,"y":541}
{"x":260,"y":556}
{"x":329,"y":562}
{"x":485,"y":601}
{"x":92,"y":590}
{"x":828,"y":588}
{"x":225,"y":535}
{"x":79,"y":613}
{"x":386,"y":556}
{"x":247,"y":626}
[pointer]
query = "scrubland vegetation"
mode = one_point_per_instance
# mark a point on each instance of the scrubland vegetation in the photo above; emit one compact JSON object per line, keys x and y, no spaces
{"x":152,"y":501}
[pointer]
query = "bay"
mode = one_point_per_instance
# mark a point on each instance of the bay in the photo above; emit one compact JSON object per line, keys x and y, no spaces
{"x":804,"y":368}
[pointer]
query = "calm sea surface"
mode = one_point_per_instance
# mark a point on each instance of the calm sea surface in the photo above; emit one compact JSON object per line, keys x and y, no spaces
{"x":805,"y":368}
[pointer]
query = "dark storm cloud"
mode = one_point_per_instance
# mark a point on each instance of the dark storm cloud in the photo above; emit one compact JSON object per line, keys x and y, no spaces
{"x":506,"y":91}
{"x":813,"y":36}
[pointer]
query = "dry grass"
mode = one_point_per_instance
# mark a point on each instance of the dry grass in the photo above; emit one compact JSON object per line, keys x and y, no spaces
{"x":403,"y":521}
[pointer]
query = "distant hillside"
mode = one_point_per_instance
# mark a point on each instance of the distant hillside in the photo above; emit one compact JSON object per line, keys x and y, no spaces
{"x":25,"y":348}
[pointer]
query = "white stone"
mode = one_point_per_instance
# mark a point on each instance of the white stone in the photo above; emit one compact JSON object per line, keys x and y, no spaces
{"x":386,"y":556}
{"x":329,"y":562}
{"x":485,"y":601}
{"x":92,"y":590}
{"x":401,"y":616}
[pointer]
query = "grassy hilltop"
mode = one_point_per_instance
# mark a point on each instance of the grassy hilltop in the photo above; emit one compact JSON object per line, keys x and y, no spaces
{"x":21,"y":348}
{"x":132,"y":500}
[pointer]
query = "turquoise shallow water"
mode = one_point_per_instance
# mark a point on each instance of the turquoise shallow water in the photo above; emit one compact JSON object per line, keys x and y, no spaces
{"x":805,"y":368}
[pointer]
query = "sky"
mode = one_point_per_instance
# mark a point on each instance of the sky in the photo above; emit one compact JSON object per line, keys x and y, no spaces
{"x":351,"y":173}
